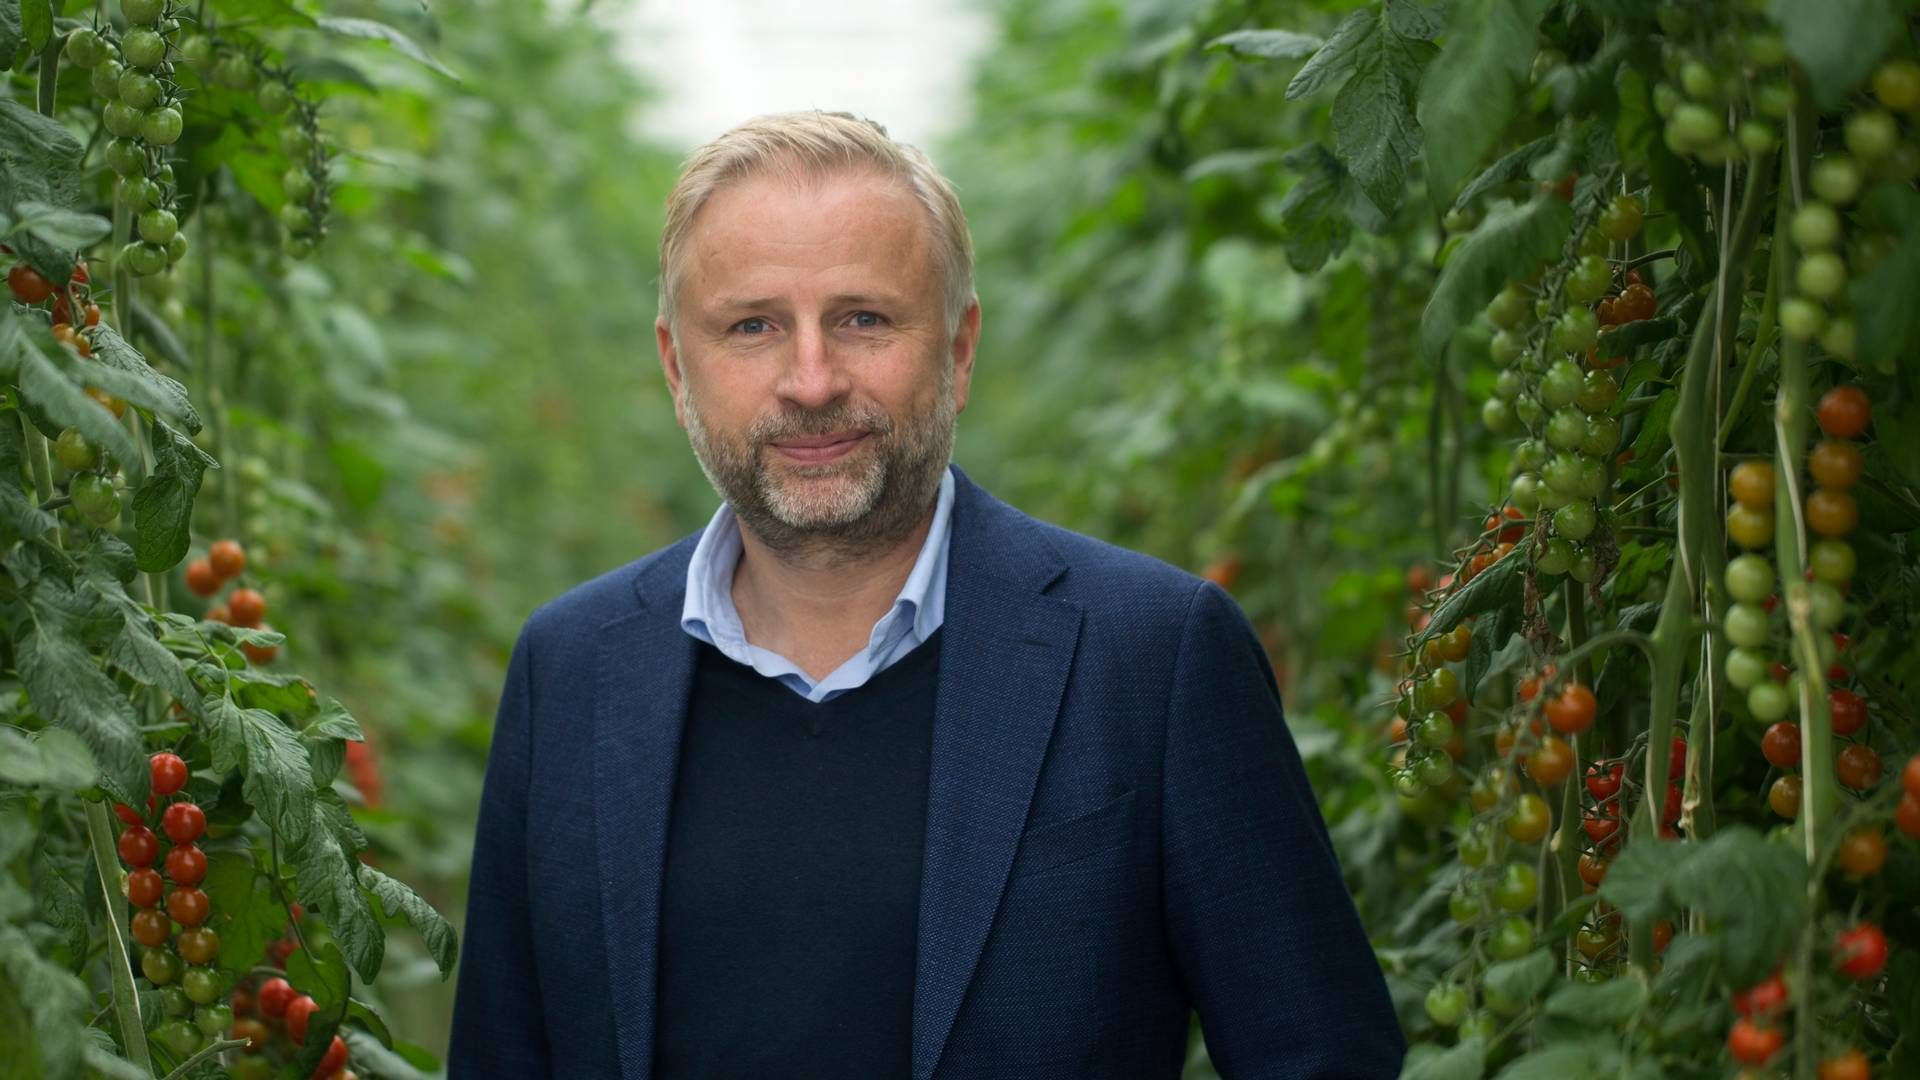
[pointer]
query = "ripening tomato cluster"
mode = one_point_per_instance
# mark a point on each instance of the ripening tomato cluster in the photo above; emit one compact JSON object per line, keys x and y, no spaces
{"x":225,"y":561}
{"x":1859,"y":953}
{"x":171,"y":912}
{"x":273,"y":1017}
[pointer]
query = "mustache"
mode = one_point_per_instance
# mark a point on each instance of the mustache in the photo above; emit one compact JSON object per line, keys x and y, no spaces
{"x":806,"y":428}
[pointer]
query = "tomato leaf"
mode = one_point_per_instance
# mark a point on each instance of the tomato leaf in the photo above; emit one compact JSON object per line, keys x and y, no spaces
{"x":1465,"y":1061}
{"x":1612,"y":1003}
{"x":1498,"y":586}
{"x":1578,"y":1060}
{"x":52,"y":758}
{"x":325,"y":875}
{"x":1889,"y":321}
{"x":1374,"y":130}
{"x":52,"y":399}
{"x":400,"y":901}
{"x":20,"y":516}
{"x":1522,"y":979}
{"x":245,"y":913}
{"x":1510,"y":242}
{"x":67,"y":230}
{"x":69,"y":689}
{"x":1468,"y":94}
{"x":1838,"y":42}
{"x":55,"y":1000}
{"x":163,"y":506}
{"x":367,"y":28}
{"x":43,"y":166}
{"x":1267,"y":44}
{"x":36,"y":22}
{"x":1754,"y":890}
{"x":1333,"y":61}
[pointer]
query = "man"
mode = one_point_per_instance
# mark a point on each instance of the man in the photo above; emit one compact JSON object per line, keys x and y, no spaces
{"x":876,"y":776}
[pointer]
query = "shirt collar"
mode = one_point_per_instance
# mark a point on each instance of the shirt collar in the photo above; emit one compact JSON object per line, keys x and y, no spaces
{"x":709,"y":601}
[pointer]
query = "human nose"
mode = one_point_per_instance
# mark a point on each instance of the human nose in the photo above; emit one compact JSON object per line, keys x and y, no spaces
{"x":815,"y":374}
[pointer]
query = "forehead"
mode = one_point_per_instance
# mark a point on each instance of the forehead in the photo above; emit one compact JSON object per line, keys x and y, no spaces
{"x":777,"y":231}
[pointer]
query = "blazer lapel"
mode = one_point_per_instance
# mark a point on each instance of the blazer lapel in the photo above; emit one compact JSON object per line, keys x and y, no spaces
{"x":1005,"y":652}
{"x":640,"y":707}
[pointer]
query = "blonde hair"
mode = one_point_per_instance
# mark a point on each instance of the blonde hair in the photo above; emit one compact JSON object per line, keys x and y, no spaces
{"x":811,"y":145}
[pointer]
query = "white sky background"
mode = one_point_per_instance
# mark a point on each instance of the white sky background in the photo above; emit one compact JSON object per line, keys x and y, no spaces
{"x":904,"y":63}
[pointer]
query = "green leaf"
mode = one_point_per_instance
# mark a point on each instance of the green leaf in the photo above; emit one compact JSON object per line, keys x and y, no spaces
{"x":1585,"y":1060}
{"x":163,"y":507}
{"x":1655,"y":424}
{"x":1838,"y":42}
{"x":245,"y":913}
{"x":1508,"y":244}
{"x":1267,"y":44}
{"x":1464,"y":1061}
{"x":333,"y":722}
{"x":10,"y":36}
{"x":325,"y":875}
{"x":1498,"y":586}
{"x":45,"y":386}
{"x":68,"y":688}
{"x":1513,"y":165}
{"x":138,"y":653}
{"x":165,"y":342}
{"x":141,"y":385}
{"x":1416,"y":19}
{"x":1622,"y":340}
{"x":68,"y":230}
{"x":225,"y":732}
{"x":1889,"y":320}
{"x":1468,"y":95}
{"x":370,"y":1058}
{"x":400,"y":901}
{"x":55,"y":999}
{"x":1334,"y":60}
{"x":279,"y":776}
{"x":1246,"y":162}
{"x":1313,"y":222}
{"x":60,"y":902}
{"x":36,"y":22}
{"x":1374,"y":130}
{"x":20,"y":516}
{"x":1753,"y":889}
{"x":51,"y":758}
{"x":1609,"y":1004}
{"x":367,"y":28}
{"x":42,"y":166}
{"x":1637,"y":878}
{"x":1522,"y":979}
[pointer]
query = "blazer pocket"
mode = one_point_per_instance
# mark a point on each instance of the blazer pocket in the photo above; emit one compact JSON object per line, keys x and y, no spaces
{"x":1056,"y":843}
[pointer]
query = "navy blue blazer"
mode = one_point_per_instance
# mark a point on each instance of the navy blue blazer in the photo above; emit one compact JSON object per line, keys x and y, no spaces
{"x":1119,"y":830}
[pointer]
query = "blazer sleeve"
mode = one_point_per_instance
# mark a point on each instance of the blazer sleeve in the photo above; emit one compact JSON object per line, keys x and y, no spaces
{"x":1262,"y":928}
{"x":498,"y":1022}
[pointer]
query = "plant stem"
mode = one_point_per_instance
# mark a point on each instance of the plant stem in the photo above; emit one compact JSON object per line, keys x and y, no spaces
{"x":126,"y":1001}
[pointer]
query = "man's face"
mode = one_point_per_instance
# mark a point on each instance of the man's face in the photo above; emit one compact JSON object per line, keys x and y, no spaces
{"x":806,"y":313}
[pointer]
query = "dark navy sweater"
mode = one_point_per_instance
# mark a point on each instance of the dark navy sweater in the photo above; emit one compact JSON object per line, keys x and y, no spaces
{"x":792,"y":884}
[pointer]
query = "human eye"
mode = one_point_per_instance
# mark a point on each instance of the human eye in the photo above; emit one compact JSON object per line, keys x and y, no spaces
{"x":753,"y":326}
{"x":868,"y":320}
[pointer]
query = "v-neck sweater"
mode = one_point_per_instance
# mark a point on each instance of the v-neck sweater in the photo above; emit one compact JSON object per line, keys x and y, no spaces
{"x":790,"y":903}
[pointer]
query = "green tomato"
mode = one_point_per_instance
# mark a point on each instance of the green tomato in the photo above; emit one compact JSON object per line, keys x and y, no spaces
{"x":1622,"y":218}
{"x":1465,"y":907}
{"x":143,"y":12}
{"x":296,"y":219}
{"x":139,"y":89}
{"x":201,"y":984}
{"x":1699,"y":81}
{"x":1407,"y":783}
{"x":144,"y":259}
{"x":1476,"y":847}
{"x":1528,"y":409}
{"x":1801,"y":319}
{"x":1434,"y":730}
{"x":1507,"y":346}
{"x":143,"y":48}
{"x":1497,"y":417}
{"x":162,"y":126}
{"x":1509,"y":308}
{"x":1438,"y":690}
{"x":1480,"y":1025}
{"x":235,"y":72}
{"x":297,"y":183}
{"x":1525,"y":492}
{"x":1602,"y":438}
{"x":1747,"y":626}
{"x":1871,"y":135}
{"x":160,"y":966}
{"x":180,"y":1037}
{"x":1576,"y":331}
{"x":1517,"y":888}
{"x":1588,"y":280}
{"x":1836,"y":179}
{"x":1756,"y":136}
{"x":1693,"y":126}
{"x":174,"y":1002}
{"x":1768,"y":701}
{"x":1815,"y":227}
{"x":1446,"y":1004}
{"x":1821,"y":275}
{"x":1750,"y":578}
{"x":1841,"y":337}
{"x":1557,"y":556}
{"x":105,"y":83}
{"x":1746,"y":668}
{"x":1434,"y":768}
{"x":84,"y":48}
{"x":138,"y":193}
{"x":125,"y":157}
{"x":96,"y":500}
{"x":197,"y":50}
{"x":158,"y":226}
{"x":1561,"y":384}
{"x":1575,"y":521}
{"x":1829,"y":607}
{"x":176,"y":248}
{"x":1584,"y":567}
{"x":1774,"y":99}
{"x":213,"y":1021}
{"x":274,"y":97}
{"x":1512,"y":940}
{"x":1598,"y":390}
{"x":296,"y":141}
{"x":1566,"y":429}
{"x":1529,"y":455}
{"x":1832,"y":561}
{"x":74,"y":452}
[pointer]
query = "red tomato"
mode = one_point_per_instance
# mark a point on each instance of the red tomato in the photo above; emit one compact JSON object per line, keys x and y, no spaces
{"x":1860,"y":952}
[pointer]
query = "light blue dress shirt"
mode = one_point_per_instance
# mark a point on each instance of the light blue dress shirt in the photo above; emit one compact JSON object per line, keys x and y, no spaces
{"x":917,"y":612}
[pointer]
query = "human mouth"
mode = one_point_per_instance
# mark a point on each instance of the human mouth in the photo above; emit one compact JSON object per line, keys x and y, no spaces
{"x":821,"y":447}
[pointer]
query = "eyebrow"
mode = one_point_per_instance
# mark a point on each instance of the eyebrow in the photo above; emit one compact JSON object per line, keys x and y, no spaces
{"x":732,"y":303}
